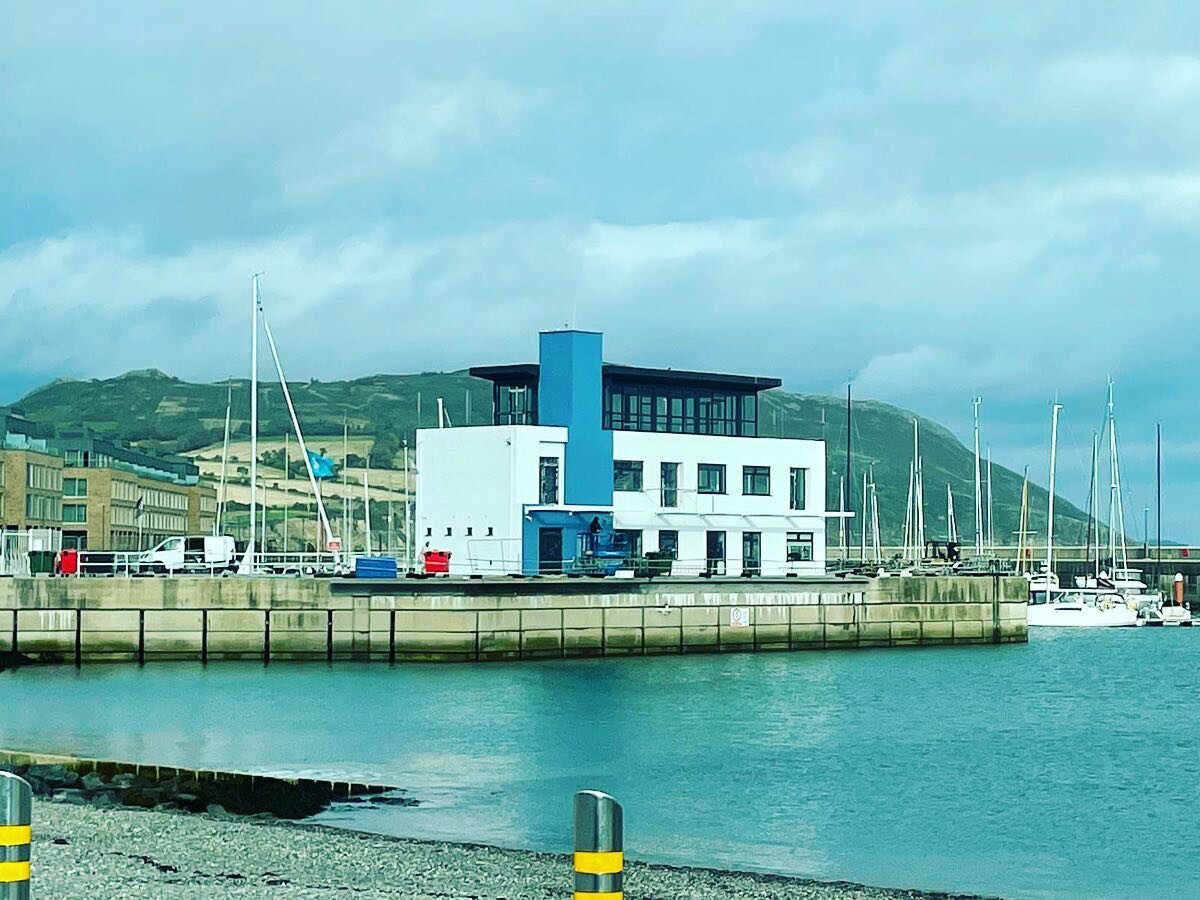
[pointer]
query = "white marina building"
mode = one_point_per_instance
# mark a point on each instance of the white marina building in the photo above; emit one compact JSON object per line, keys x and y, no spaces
{"x":588,"y":461}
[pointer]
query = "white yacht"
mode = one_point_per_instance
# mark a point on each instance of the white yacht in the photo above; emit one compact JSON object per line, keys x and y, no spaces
{"x":1083,"y":610}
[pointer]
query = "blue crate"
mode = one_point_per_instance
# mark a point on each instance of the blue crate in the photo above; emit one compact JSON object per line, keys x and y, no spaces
{"x":375,"y":567}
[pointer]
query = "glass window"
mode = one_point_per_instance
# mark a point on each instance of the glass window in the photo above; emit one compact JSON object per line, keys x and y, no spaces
{"x":548,"y":480}
{"x":631,"y":539}
{"x":74,"y":512}
{"x":680,"y":409}
{"x":756,"y":480}
{"x":515,"y":404}
{"x":715,"y":551}
{"x":752,"y":552}
{"x":75,"y":487}
{"x":799,"y":546}
{"x":627,"y":475}
{"x":668,"y":542}
{"x":670,"y":484}
{"x":711,"y":478}
{"x":796,"y":493}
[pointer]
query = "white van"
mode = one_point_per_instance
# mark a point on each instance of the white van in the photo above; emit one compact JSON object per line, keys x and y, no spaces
{"x":192,"y":553}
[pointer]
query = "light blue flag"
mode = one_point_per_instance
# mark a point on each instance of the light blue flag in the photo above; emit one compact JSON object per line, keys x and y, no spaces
{"x":322,"y":466}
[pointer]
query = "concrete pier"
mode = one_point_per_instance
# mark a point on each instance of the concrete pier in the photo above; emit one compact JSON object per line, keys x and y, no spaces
{"x":86,"y":620}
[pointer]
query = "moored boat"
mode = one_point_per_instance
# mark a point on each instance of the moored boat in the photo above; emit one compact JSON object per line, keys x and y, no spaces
{"x":1083,"y":611}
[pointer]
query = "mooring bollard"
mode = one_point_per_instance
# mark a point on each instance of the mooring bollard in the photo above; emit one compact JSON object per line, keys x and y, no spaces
{"x":16,"y":813}
{"x":599,"y":847}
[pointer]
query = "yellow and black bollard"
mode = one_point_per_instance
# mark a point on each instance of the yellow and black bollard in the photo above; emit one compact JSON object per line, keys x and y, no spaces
{"x":16,"y":813}
{"x":599,"y":847}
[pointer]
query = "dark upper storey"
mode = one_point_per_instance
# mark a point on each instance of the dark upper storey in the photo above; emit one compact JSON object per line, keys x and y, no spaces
{"x":641,"y":399}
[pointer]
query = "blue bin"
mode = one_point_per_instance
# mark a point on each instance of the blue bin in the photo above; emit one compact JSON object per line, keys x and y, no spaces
{"x":374,"y":567}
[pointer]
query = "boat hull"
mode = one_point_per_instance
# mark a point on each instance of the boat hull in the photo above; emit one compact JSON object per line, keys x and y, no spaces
{"x":1081,"y":615}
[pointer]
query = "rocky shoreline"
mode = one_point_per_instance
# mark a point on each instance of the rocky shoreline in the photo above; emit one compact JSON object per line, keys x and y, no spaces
{"x":83,"y":851}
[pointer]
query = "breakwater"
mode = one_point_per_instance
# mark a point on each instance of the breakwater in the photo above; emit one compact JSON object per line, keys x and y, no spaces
{"x":112,"y":783}
{"x":273,"y":619}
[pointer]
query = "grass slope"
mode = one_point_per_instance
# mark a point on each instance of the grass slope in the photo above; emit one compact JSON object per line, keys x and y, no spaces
{"x":165,"y":413}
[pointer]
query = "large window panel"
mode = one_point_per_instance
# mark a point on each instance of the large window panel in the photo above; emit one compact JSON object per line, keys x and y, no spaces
{"x":756,"y":481}
{"x":710,"y":478}
{"x":669,"y":476}
{"x":797,"y":489}
{"x":627,"y":475}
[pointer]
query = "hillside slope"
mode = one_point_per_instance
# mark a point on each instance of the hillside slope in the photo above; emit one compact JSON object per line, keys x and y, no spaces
{"x":166,"y":413}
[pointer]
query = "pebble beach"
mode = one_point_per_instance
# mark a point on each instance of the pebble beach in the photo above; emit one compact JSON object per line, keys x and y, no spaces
{"x":84,"y":851}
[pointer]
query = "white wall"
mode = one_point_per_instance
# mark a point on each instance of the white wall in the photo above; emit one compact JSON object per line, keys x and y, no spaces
{"x":481,"y":477}
{"x":478,"y":478}
{"x":731,"y":512}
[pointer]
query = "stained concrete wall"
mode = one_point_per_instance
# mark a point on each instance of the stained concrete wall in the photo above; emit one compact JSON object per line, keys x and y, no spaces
{"x":91,"y":619}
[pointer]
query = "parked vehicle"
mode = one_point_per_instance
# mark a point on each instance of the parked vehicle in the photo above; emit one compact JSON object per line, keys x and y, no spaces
{"x":191,"y":553}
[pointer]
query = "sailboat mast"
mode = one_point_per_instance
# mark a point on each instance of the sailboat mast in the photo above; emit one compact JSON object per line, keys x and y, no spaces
{"x":878,"y":549}
{"x":1093,"y":502}
{"x":1120,"y":559}
{"x":286,"y":463}
{"x":862,"y":550}
{"x":1158,"y":501}
{"x":250,"y":544}
{"x":1023,"y":527}
{"x":224,"y":462}
{"x":975,"y":401}
{"x":367,"y":505}
{"x":1050,"y":499}
{"x":849,"y":470}
{"x":991,"y":535}
{"x":346,"y":535}
{"x":842,"y":513}
{"x":1113,"y":496}
{"x":291,"y":408}
{"x":908,"y":512}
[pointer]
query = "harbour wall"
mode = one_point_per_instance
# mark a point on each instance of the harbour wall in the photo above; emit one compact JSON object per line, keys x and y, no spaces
{"x":84,"y":620}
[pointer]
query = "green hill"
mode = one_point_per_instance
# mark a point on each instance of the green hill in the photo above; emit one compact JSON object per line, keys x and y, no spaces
{"x":164,"y":413}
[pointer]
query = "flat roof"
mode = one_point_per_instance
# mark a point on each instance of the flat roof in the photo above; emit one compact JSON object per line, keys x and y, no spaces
{"x":525,"y":372}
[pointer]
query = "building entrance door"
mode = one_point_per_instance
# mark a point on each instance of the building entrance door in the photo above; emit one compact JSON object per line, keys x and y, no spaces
{"x":715,"y":545}
{"x":550,"y":550}
{"x":751,"y":552}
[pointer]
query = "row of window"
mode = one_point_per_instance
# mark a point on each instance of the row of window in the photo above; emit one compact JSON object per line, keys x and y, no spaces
{"x":85,"y":459}
{"x":799,"y":544}
{"x":164,"y":499}
{"x":43,"y":478}
{"x":124,"y":490}
{"x":43,"y":507}
{"x":469,"y":531}
{"x":710,"y":479}
{"x":679,"y":410}
{"x":157,"y":521}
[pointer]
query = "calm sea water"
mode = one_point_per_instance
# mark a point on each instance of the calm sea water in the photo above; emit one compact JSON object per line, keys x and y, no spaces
{"x":1064,"y":768}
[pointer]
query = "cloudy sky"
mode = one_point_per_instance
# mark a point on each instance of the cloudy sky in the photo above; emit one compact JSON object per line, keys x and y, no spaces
{"x":935,"y":199}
